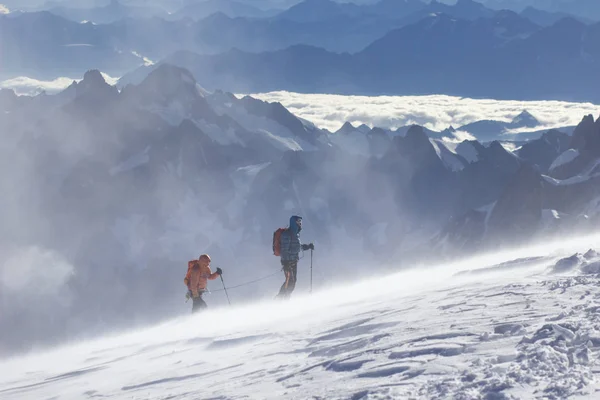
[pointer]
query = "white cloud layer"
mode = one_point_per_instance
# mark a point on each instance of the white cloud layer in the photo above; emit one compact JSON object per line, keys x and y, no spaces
{"x":436,"y":112}
{"x":23,"y":85}
{"x":4,"y":9}
{"x":28,"y":86}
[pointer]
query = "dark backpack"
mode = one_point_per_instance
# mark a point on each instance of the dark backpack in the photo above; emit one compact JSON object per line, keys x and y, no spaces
{"x":277,"y":241}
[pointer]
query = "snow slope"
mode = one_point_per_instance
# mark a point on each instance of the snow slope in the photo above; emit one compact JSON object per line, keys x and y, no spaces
{"x":514,"y":325}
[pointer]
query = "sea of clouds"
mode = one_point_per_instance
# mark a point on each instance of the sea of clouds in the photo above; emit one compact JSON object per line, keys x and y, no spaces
{"x":328,"y":111}
{"x":436,"y":112}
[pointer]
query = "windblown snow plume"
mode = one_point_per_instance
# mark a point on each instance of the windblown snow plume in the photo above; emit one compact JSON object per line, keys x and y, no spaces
{"x":434,"y":112}
{"x":35,"y":292}
{"x":498,"y":326}
{"x":33,"y":268}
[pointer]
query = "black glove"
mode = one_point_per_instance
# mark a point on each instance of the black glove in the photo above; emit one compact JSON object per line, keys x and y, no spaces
{"x":309,"y":246}
{"x":219,"y":271}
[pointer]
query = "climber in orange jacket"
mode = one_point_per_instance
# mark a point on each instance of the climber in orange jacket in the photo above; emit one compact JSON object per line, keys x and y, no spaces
{"x":197,"y":278}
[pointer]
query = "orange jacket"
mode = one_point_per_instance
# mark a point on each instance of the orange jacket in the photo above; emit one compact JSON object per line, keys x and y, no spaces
{"x":197,"y":277}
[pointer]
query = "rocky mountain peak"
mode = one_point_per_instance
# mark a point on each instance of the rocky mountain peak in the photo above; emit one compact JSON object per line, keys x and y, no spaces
{"x":525,"y":119}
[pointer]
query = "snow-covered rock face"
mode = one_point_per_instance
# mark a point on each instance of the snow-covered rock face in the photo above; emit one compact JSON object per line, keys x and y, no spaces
{"x":525,"y":119}
{"x":451,"y":160}
{"x":565,"y":158}
{"x":270,"y":122}
{"x":500,"y":326}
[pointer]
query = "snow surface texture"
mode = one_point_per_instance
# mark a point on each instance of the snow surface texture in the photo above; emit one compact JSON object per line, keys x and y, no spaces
{"x":523,"y":324}
{"x":436,"y":112}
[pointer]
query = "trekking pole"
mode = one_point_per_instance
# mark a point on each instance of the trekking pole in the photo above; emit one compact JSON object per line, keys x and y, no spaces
{"x":224,"y":288}
{"x":311,"y":263}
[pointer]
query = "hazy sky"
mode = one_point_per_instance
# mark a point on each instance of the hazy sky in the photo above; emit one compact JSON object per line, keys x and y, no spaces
{"x":16,"y":4}
{"x":173,"y":4}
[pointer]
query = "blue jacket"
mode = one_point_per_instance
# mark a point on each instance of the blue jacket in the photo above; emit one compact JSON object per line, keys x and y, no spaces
{"x":290,"y":242}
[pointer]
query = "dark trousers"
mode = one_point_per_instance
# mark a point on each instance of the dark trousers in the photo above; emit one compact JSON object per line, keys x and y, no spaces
{"x":198,"y":304}
{"x":290,"y":268}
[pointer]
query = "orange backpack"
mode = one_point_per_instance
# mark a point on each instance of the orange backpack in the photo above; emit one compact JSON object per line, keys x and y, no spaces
{"x":277,"y":241}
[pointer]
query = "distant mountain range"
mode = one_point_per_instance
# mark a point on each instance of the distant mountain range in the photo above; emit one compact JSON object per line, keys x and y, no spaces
{"x":116,"y":11}
{"x":44,"y":46}
{"x":111,"y":12}
{"x":582,"y":8}
{"x":522,"y":129}
{"x":308,"y":11}
{"x":503,"y":57}
{"x":333,"y":26}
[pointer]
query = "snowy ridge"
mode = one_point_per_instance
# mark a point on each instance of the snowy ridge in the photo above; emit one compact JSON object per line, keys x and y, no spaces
{"x":448,"y":157}
{"x":278,"y":135}
{"x":565,"y":158}
{"x":512,"y":328}
{"x":589,"y":173}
